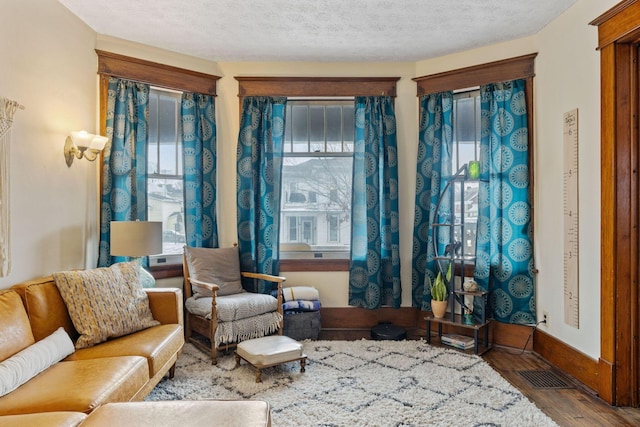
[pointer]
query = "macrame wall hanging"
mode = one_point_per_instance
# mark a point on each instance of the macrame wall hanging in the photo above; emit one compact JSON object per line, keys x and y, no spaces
{"x":7,"y":110}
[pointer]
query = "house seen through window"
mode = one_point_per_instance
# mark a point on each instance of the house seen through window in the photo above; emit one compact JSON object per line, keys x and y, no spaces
{"x":164,"y":173}
{"x":466,"y":146}
{"x":316,"y":178}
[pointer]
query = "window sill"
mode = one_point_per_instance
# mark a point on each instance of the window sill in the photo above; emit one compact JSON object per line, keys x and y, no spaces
{"x":166,"y":271}
{"x":314,"y":265}
{"x":287,"y":265}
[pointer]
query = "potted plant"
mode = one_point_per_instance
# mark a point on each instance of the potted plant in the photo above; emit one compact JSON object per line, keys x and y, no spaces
{"x":439,"y":294}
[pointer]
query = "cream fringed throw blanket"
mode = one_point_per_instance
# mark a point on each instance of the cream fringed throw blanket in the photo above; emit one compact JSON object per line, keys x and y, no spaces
{"x":7,"y":110}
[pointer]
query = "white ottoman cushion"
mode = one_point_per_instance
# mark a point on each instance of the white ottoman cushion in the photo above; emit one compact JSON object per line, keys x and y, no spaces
{"x":270,"y":350}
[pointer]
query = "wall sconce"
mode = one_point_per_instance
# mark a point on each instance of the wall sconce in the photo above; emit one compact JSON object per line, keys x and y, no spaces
{"x":83,"y":144}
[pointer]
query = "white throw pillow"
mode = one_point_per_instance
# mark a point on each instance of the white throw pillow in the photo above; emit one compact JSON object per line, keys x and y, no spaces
{"x":26,"y":364}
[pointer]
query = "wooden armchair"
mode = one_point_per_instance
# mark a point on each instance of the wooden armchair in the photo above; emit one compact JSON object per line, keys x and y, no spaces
{"x":218,"y":309}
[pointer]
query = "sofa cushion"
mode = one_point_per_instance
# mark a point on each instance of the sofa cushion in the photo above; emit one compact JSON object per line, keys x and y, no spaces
{"x":26,"y":364}
{"x":157,"y":344}
{"x":105,"y":302}
{"x":79,"y":386}
{"x":14,"y":323}
{"x":45,"y":307}
{"x":229,"y":413}
{"x":220,"y":266}
{"x":44,"y":419}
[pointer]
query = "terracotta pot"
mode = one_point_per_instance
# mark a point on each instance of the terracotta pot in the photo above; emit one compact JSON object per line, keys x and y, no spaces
{"x":439,"y":308}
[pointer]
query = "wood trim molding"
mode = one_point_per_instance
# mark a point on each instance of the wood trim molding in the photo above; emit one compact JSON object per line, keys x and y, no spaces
{"x":619,"y":321}
{"x":519,"y":67}
{"x":361,"y":318}
{"x":413,"y":319}
{"x":166,"y":271}
{"x":618,"y":24}
{"x":316,"y":86}
{"x":609,"y":14}
{"x":156,"y":74}
{"x":568,"y":359}
{"x":314,"y":265}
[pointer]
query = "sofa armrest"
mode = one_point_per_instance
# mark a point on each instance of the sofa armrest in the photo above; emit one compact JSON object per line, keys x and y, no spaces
{"x":166,"y":305}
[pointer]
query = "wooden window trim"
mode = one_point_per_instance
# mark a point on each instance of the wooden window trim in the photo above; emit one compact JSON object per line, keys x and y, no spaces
{"x":314,"y":264}
{"x":156,"y":74}
{"x":315,"y":87}
{"x":520,"y":67}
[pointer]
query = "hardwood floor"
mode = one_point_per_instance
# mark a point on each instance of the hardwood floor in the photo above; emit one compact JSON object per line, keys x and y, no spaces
{"x":568,"y":407}
{"x":575,"y":406}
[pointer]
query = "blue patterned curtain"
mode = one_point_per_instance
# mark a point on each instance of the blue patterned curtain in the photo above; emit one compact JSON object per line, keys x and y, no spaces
{"x":434,"y":170}
{"x":260,"y":147}
{"x":124,"y":188}
{"x":504,"y":250}
{"x":374,"y":274}
{"x":199,"y":169}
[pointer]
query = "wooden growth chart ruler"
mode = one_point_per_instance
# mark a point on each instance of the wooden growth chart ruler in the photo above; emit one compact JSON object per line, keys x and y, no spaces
{"x":571,"y":273}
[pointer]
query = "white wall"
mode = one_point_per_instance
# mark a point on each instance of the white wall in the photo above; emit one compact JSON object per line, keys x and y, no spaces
{"x":47,"y":63}
{"x":568,"y":77}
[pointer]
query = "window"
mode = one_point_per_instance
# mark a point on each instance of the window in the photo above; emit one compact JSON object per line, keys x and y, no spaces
{"x":320,"y":93}
{"x":160,"y":75}
{"x":466,"y":144}
{"x":466,"y":116}
{"x":164,"y":173}
{"x":316,"y":176}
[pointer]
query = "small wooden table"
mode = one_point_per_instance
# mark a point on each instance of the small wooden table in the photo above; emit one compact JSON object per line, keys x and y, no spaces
{"x":270,"y":351}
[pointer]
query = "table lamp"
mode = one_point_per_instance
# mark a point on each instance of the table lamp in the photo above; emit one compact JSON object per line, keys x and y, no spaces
{"x":137,"y":239}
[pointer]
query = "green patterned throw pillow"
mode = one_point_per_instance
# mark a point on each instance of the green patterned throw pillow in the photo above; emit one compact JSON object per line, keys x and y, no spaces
{"x":105,"y":302}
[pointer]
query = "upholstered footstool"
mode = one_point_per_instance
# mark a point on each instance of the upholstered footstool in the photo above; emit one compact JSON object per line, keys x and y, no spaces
{"x":270,"y":351}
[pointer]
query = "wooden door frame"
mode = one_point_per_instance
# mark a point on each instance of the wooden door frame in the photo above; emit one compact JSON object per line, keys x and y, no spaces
{"x":618,"y":33}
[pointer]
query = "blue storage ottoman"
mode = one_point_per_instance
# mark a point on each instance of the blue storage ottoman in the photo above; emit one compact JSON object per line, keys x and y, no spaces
{"x":301,"y":312}
{"x":302,"y":326}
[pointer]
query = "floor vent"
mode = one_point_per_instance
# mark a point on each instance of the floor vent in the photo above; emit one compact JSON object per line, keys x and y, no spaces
{"x":544,"y":379}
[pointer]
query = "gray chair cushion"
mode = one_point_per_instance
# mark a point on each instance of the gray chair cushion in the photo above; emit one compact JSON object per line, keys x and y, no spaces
{"x":220,"y":266}
{"x":233,"y":307}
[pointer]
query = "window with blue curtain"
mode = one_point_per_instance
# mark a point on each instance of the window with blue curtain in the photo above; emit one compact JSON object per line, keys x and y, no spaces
{"x":124,"y":167}
{"x":504,"y":249}
{"x":259,"y":174}
{"x":374,"y":274}
{"x":155,"y":168}
{"x":503,"y":241}
{"x":433,"y":172}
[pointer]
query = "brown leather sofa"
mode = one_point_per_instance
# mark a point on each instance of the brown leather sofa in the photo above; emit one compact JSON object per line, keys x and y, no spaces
{"x":120,"y":370}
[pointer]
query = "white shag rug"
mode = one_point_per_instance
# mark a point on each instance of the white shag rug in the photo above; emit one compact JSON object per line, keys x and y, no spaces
{"x":362,"y":383}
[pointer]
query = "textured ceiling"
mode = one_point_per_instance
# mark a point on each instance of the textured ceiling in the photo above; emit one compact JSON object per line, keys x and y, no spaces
{"x":317,"y":30}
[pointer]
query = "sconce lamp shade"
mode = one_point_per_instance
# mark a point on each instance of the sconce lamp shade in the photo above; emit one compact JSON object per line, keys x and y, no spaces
{"x":82,"y":144}
{"x":136,"y":238}
{"x":83,"y":139}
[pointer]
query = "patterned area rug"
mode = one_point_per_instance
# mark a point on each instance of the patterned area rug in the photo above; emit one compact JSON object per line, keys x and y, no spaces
{"x":362,"y":383}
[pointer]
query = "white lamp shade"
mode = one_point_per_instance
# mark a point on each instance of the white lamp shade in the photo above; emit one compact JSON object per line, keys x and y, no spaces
{"x":98,"y":142}
{"x":136,"y":238}
{"x":84,"y":139}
